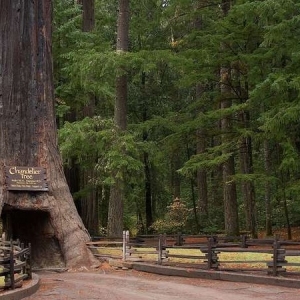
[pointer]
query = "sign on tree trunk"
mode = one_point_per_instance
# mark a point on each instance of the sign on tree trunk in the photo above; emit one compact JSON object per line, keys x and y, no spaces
{"x":26,"y":179}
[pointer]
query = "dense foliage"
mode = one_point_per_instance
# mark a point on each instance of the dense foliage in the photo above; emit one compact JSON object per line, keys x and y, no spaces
{"x":191,"y":69}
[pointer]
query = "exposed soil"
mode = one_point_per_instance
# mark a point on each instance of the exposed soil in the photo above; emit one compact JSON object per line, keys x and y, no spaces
{"x":282,"y":233}
{"x":107,"y":283}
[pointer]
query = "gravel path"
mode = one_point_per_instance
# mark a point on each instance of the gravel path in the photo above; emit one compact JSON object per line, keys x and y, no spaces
{"x":133,"y":285}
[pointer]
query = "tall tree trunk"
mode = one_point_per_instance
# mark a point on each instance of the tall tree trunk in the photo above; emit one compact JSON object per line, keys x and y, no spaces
{"x":120,"y":113}
{"x":175,"y":177}
{"x":202,"y":182}
{"x":28,"y":137}
{"x":148,"y":192}
{"x":201,"y":143}
{"x":246,"y":166}
{"x":88,"y":14}
{"x":245,"y":153}
{"x":284,"y":180}
{"x":229,"y":186}
{"x":116,"y":200}
{"x":201,"y":174}
{"x":147,"y":165}
{"x":287,"y":217}
{"x":194,"y":198}
{"x":268,"y":206}
{"x":89,"y":202}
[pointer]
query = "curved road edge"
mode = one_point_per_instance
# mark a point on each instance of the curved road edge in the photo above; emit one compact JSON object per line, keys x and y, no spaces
{"x":214,"y":275}
{"x":28,"y":289}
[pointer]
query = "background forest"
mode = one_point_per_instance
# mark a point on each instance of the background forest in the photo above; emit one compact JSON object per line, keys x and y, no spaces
{"x":180,"y":115}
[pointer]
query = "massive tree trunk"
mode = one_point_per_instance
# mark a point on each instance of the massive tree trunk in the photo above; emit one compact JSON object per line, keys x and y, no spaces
{"x":28,"y":138}
{"x":116,"y":199}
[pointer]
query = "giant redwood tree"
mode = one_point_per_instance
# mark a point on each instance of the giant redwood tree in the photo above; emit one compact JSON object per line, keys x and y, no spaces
{"x":48,"y":219}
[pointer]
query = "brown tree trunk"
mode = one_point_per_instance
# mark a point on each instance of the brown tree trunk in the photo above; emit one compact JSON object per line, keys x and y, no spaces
{"x":28,"y":138}
{"x":268,"y":206}
{"x":147,"y":165}
{"x":116,"y":200}
{"x":247,"y":186}
{"x":202,"y":181}
{"x":89,"y":202}
{"x":148,"y":191}
{"x":229,"y":186}
{"x":201,"y":174}
{"x":201,"y":143}
{"x":88,"y":14}
{"x":245,"y":153}
{"x":175,"y":177}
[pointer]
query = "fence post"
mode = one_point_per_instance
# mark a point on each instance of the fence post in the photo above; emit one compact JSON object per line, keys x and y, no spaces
{"x":244,"y":241}
{"x":159,"y":258}
{"x":28,"y":262}
{"x":279,"y":255}
{"x":12,"y":266}
{"x":23,"y":258}
{"x":275,"y":256}
{"x":179,"y":239}
{"x":124,"y":246}
{"x":209,"y":253}
{"x":212,"y":256}
{"x":127,"y":243}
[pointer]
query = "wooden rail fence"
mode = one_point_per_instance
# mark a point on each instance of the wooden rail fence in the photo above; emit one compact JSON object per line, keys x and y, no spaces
{"x":15,"y":264}
{"x":164,"y":249}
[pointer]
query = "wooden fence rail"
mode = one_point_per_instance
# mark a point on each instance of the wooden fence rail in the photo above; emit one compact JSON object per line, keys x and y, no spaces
{"x":15,"y":264}
{"x":162,"y":247}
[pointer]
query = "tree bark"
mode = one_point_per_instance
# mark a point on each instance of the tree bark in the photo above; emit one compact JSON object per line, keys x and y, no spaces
{"x":148,"y":192}
{"x":246,"y":166}
{"x":229,"y":186}
{"x":201,"y":174}
{"x":268,"y":206}
{"x":201,"y":142}
{"x":245,"y":150}
{"x":120,"y":113}
{"x":88,"y":14}
{"x":116,"y":200}
{"x":28,"y":134}
{"x":89,"y":202}
{"x":147,"y":164}
{"x":175,"y":177}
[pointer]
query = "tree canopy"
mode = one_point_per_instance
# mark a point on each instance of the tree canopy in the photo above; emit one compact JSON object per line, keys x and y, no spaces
{"x":211,"y":84}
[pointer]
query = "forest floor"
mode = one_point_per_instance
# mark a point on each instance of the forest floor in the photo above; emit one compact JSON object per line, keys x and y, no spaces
{"x":283,"y":233}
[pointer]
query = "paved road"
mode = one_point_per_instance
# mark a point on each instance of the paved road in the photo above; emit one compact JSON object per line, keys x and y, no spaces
{"x":133,"y":285}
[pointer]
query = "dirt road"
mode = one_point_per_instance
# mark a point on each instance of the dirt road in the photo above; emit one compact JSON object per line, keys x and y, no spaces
{"x":133,"y":285}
